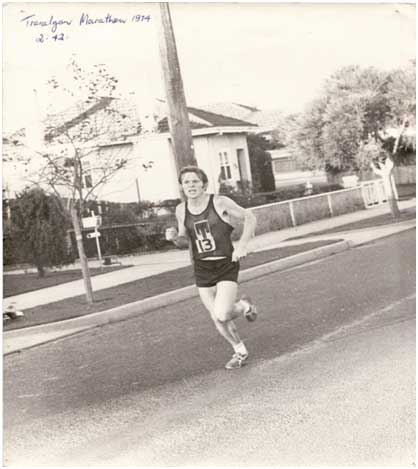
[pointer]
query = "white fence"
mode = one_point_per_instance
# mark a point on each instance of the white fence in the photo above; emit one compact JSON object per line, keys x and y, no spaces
{"x":374,"y":192}
{"x":294,"y":212}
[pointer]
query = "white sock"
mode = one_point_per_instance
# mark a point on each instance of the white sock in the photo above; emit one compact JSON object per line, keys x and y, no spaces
{"x":247,"y":307}
{"x":241,"y":348}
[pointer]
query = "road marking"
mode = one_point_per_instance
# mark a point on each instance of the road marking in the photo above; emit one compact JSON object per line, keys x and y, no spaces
{"x":341,"y":330}
{"x":338,"y":334}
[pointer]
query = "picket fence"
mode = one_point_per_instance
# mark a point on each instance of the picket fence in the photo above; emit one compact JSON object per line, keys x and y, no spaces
{"x":294,"y":212}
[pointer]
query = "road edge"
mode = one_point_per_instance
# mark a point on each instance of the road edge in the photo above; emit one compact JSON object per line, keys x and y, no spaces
{"x":28,"y":337}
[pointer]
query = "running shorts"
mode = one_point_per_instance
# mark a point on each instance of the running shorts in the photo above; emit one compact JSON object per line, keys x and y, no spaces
{"x":209,"y":273}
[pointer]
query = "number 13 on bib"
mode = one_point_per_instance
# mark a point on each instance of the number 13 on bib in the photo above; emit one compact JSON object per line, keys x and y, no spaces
{"x":204,"y":239}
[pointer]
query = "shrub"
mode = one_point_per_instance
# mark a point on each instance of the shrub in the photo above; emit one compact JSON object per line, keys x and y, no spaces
{"x":40,"y":237}
{"x":260,"y":162}
{"x":12,"y":255}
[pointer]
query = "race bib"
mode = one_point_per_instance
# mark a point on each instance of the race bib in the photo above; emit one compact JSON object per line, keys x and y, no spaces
{"x":204,"y":239}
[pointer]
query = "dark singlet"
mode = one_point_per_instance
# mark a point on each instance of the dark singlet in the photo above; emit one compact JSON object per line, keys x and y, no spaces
{"x":210,"y":235}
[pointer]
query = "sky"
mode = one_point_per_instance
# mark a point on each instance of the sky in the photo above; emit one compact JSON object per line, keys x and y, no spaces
{"x":269,"y":55}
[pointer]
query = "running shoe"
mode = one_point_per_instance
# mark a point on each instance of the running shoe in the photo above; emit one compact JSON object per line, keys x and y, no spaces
{"x":237,"y":361}
{"x":251,"y":313}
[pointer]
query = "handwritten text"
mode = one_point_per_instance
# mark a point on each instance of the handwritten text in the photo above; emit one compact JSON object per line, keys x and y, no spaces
{"x":32,"y":21}
{"x":52,"y":24}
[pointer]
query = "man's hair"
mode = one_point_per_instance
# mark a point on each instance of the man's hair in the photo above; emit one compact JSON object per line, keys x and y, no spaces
{"x":193,"y":169}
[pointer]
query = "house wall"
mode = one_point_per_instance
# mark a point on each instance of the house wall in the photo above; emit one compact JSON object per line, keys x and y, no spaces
{"x":151,"y":163}
{"x":151,"y":170}
{"x":207,"y":149}
{"x":121,"y":187}
{"x":159,"y":182}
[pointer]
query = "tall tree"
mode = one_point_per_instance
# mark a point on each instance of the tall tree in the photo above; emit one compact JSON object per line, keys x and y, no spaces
{"x":385,"y":145}
{"x":347,"y":128}
{"x":42,"y":227}
{"x":73,"y":160}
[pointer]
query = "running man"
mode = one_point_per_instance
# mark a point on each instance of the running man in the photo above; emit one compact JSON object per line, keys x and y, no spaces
{"x":204,"y":220}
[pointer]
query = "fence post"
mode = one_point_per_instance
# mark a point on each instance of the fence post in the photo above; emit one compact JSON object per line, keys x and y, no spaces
{"x":363,"y":194}
{"x":292,"y":213}
{"x":382,"y":192}
{"x":395,"y":189}
{"x":331,"y":211}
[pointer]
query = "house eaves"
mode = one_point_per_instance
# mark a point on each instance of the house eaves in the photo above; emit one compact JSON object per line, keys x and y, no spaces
{"x":222,"y":130}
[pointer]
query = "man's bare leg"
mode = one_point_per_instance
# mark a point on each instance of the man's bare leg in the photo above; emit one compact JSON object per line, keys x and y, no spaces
{"x":208,"y":296}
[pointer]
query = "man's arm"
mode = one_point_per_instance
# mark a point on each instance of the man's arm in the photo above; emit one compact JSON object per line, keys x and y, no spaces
{"x":178,"y":237}
{"x":232,"y":209}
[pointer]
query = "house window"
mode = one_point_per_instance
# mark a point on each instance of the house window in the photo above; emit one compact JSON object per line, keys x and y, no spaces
{"x":225,"y":166}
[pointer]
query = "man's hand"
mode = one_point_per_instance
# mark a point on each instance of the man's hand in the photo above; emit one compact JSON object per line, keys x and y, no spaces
{"x":171,"y":233}
{"x":239,"y":253}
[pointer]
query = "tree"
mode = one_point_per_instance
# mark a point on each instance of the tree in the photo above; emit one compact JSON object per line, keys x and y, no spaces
{"x":41,"y":229}
{"x":384,"y":147}
{"x":74,"y":158}
{"x":346,"y":128}
{"x":260,"y":162}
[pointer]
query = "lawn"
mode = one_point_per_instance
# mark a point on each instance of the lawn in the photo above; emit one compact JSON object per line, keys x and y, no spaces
{"x":385,"y":219}
{"x":15,"y":284}
{"x":141,"y":289}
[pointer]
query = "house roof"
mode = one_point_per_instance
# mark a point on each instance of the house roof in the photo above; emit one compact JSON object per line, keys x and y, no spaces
{"x":266,"y":120}
{"x":238,"y":111}
{"x":121,"y":118}
{"x":216,"y":120}
{"x":71,"y":117}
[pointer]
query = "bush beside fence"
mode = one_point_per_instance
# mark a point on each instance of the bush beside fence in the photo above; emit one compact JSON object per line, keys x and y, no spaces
{"x":126,"y":239}
{"x":149,"y":236}
{"x":270,"y":217}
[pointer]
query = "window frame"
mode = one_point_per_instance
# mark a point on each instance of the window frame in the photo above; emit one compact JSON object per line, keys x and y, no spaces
{"x":225,"y":165}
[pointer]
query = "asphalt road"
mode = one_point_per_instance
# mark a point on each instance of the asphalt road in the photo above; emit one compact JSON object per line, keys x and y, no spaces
{"x":331,"y":378}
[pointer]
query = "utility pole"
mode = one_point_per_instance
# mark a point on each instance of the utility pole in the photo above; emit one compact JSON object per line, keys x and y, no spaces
{"x":178,"y":117}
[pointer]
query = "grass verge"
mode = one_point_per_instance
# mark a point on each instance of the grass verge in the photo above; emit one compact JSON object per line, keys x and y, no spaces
{"x":141,"y":289}
{"x":16,"y":284}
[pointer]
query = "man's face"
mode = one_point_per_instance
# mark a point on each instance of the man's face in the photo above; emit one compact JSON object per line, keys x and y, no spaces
{"x":192,"y":185}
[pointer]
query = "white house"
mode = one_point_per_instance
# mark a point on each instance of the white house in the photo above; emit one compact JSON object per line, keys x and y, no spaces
{"x":220,"y":147}
{"x":287,"y":172}
{"x":285,"y":167}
